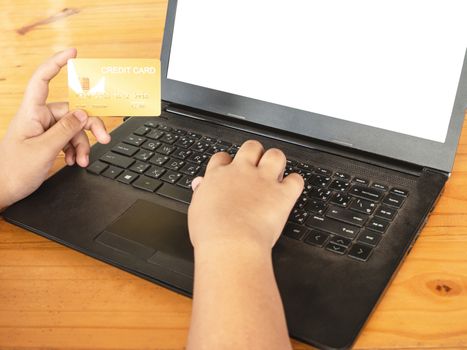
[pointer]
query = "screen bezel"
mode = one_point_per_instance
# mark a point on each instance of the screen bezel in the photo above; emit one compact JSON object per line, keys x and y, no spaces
{"x":390,"y":144}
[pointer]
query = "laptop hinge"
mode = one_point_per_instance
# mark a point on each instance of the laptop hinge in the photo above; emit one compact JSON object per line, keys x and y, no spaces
{"x":299,"y":140}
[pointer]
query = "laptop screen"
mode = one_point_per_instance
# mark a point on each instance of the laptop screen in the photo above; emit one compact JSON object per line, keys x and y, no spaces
{"x":391,"y":64}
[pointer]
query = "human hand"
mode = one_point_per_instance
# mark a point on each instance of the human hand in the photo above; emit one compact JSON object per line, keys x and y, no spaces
{"x":39,"y":131}
{"x":244,"y":200}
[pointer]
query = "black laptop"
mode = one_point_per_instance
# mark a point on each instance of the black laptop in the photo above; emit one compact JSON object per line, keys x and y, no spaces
{"x":371,"y":125}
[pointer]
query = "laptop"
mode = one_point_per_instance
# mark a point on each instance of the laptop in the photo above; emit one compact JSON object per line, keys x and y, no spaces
{"x":367,"y":102}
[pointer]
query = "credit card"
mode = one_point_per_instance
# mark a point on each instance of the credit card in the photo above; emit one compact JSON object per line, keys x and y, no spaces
{"x":115,"y":86}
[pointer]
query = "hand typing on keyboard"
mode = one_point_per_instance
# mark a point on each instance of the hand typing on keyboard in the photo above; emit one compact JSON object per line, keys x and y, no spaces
{"x":39,"y":131}
{"x":237,"y":213}
{"x":244,"y":200}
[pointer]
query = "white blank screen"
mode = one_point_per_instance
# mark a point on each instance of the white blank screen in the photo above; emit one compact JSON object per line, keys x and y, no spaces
{"x":392,"y":64}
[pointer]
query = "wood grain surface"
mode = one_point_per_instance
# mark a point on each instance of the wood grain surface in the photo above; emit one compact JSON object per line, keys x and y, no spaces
{"x":52,"y":297}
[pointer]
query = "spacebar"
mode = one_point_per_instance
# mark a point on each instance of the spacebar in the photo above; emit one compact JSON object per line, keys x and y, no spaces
{"x":174,"y":192}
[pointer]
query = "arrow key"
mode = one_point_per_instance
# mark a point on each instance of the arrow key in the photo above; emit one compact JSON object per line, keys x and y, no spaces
{"x":317,"y":238}
{"x":345,"y":242}
{"x":360,"y":252}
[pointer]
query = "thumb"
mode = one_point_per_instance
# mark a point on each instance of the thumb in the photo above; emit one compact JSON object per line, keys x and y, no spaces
{"x":58,"y":136}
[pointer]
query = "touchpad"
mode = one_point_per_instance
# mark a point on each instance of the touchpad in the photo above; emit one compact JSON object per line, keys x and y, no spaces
{"x":153,"y":233}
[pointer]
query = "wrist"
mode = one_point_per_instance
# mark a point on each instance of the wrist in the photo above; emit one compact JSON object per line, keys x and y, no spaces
{"x":232,"y":251}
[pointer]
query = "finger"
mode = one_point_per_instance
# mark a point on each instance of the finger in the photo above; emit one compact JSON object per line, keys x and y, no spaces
{"x":38,"y":87}
{"x":81,"y":144}
{"x":273,"y":163}
{"x":294,"y":183}
{"x":70,"y":154}
{"x":97,"y":127}
{"x":196,"y":182}
{"x":219,"y":159}
{"x":61,"y":133}
{"x":58,"y":109}
{"x":250,"y":152}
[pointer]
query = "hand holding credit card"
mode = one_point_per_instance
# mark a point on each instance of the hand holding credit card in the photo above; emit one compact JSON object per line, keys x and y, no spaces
{"x":115,"y":87}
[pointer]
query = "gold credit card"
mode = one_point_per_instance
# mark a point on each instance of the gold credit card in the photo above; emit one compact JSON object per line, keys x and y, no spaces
{"x":115,"y":86}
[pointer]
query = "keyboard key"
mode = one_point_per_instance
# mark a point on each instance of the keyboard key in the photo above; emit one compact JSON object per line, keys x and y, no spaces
{"x":366,"y":193}
{"x":306,"y":174}
{"x":360,"y":252}
{"x":126,"y":150}
{"x":299,"y":216}
{"x":171,"y":176}
{"x":361,"y":181}
{"x":394,"y":200}
{"x":316,"y":238}
{"x":201,"y":146}
{"x":155,"y":172}
{"x":164,"y":127}
{"x":208,"y":139}
{"x":174,"y":192}
{"x":112,"y":172}
{"x":304,"y":166}
{"x":339,"y":185}
{"x":316,"y":206}
{"x":320,"y":180}
{"x":97,"y":167}
{"x":216,"y":148}
{"x":174,"y":164}
{"x":134,"y":140}
{"x":141,"y":131}
{"x":180,"y":131}
{"x":190,"y":169}
{"x":151,"y":124}
{"x":127,"y":177}
{"x":363,"y":206}
{"x":147,"y":184}
{"x":151,"y":145}
{"x":370,"y":238}
{"x":301,"y":201}
{"x":144,"y":155}
{"x":343,"y":241}
{"x":194,"y":135}
{"x":378,"y":225}
{"x":117,"y":159}
{"x":295,"y":231}
{"x":400,"y":192}
{"x":166,"y":149}
{"x":323,"y":171}
{"x":169,"y":138}
{"x":386,"y":212}
{"x":185,"y":142}
{"x":380,"y":186}
{"x":197,"y":158}
{"x":155,"y":134}
{"x":341,"y":200}
{"x":224,"y":143}
{"x":139,"y":167}
{"x":347,"y":216}
{"x":158,"y":159}
{"x":332,"y":226}
{"x":182,"y":153}
{"x":336,"y":248}
{"x":320,"y":193}
{"x":185,"y":182}
{"x":342,"y":176}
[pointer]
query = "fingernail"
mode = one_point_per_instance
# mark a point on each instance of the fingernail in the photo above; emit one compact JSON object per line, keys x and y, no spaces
{"x":82,"y":116}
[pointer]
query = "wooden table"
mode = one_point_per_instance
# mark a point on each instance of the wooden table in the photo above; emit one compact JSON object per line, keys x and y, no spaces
{"x":53,"y":297}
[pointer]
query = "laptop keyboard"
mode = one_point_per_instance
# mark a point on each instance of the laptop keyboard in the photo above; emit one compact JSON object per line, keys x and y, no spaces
{"x":343,"y":214}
